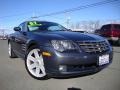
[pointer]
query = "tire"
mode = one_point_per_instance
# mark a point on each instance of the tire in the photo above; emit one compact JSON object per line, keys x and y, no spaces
{"x":119,"y":42}
{"x":34,"y":64}
{"x":10,"y":51}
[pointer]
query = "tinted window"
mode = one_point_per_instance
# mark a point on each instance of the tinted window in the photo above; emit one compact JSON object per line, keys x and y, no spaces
{"x":42,"y":26}
{"x":106,"y":27}
{"x":117,"y":27}
{"x":22,"y":27}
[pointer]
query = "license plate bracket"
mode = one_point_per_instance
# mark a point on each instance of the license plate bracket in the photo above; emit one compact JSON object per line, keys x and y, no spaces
{"x":104,"y":59}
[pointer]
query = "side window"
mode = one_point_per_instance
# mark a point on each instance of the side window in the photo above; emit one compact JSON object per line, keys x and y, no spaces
{"x":22,"y":27}
{"x":106,"y":27}
{"x":117,"y":27}
{"x":103,"y":27}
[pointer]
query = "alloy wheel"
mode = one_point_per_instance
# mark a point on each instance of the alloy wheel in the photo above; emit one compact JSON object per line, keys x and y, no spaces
{"x":35,"y":63}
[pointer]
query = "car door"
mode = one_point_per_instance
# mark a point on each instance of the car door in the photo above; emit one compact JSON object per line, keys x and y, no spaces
{"x":21,"y":40}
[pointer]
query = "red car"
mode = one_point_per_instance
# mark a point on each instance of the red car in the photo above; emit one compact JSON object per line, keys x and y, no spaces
{"x":111,"y":32}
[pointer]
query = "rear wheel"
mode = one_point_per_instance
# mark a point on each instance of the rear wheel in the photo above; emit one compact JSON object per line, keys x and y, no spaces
{"x":119,"y":42}
{"x":10,"y":51}
{"x":35,"y":64}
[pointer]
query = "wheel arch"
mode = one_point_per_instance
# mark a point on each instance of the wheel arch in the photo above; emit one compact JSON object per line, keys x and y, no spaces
{"x":31,"y":43}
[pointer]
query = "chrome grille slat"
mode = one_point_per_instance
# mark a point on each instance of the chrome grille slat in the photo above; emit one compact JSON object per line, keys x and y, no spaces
{"x":93,"y":47}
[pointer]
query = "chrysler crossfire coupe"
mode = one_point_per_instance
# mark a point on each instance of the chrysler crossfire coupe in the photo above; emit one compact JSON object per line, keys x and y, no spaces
{"x":51,"y":50}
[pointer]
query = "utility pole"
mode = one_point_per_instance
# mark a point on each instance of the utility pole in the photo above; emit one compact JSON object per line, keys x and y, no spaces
{"x":67,"y":20}
{"x":34,"y":16}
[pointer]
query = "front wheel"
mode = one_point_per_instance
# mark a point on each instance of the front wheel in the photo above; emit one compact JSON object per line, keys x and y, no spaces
{"x":35,"y":64}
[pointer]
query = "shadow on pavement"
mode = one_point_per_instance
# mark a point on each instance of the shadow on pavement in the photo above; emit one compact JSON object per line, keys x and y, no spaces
{"x":74,"y":88}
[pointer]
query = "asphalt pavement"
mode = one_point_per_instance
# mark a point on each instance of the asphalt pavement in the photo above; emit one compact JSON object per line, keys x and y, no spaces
{"x":13,"y":76}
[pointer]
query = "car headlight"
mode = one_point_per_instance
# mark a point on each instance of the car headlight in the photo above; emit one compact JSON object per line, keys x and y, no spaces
{"x":63,"y":45}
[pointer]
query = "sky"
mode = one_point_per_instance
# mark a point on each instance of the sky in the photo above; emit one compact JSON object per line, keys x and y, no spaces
{"x":14,"y":12}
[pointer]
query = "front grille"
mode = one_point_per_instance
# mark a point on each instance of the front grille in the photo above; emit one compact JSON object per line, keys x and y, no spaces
{"x":93,"y":46}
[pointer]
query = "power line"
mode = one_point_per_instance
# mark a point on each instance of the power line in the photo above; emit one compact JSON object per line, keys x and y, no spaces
{"x":67,"y":10}
{"x":21,"y":14}
{"x":80,"y":8}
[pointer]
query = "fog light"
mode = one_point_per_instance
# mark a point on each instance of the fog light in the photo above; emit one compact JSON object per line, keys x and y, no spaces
{"x":62,"y":68}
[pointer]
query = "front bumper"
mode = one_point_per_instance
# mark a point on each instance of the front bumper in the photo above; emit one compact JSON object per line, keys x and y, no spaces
{"x":113,"y":38}
{"x":84,"y":72}
{"x":73,"y":63}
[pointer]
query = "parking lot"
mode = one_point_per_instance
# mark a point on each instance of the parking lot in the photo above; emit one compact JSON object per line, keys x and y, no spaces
{"x":13,"y":76}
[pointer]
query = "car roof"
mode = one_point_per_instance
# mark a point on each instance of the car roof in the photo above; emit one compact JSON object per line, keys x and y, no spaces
{"x":38,"y":21}
{"x":110,"y":24}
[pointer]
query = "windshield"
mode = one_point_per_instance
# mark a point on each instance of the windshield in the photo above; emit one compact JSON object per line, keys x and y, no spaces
{"x":45,"y":26}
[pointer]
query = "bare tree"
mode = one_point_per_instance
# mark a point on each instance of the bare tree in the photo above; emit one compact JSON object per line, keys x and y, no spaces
{"x":91,"y":26}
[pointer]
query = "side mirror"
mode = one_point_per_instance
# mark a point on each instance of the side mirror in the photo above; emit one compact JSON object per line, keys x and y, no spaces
{"x":17,"y":29}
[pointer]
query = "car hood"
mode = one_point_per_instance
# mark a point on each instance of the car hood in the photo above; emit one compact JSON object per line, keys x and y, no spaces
{"x":68,"y":35}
